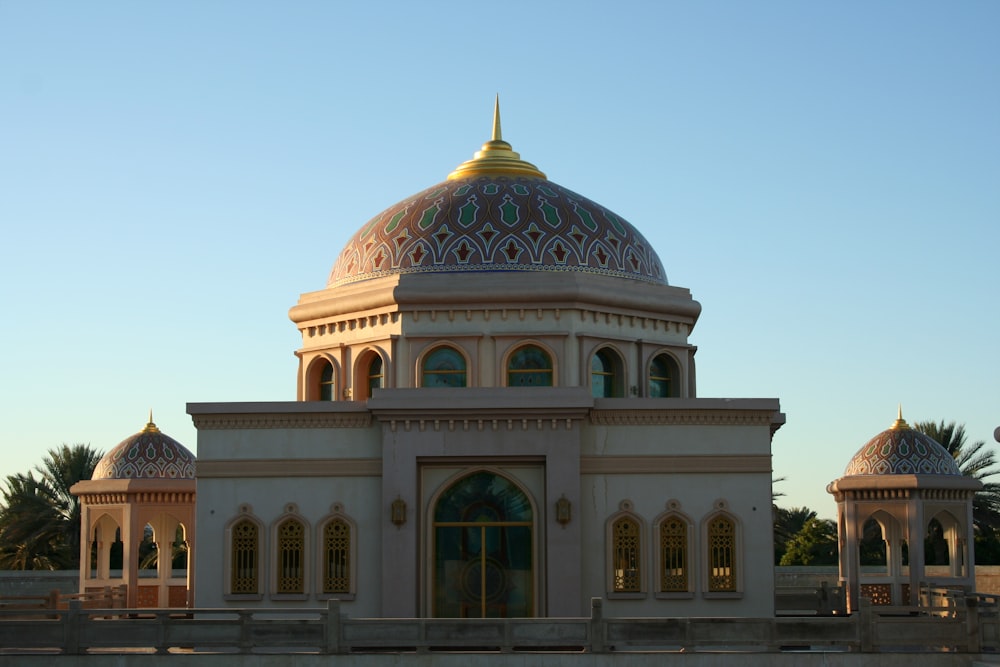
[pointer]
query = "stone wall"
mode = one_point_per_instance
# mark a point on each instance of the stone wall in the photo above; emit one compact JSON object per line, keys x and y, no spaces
{"x":38,"y":582}
{"x":988,"y":579}
{"x":800,"y":576}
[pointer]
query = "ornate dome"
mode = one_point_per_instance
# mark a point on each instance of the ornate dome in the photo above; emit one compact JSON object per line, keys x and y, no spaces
{"x":496,"y":212}
{"x":149,"y":454}
{"x":900,"y":450}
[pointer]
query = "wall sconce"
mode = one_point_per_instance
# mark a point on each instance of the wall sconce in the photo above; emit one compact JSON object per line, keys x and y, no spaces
{"x":348,"y":394}
{"x":398,"y":514}
{"x":563,"y":511}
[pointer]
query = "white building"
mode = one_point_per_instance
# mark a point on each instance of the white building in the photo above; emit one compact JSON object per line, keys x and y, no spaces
{"x":496,"y":415}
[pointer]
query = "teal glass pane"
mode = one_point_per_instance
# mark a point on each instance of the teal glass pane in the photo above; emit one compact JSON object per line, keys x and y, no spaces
{"x":529,"y":366}
{"x":444,"y":367}
{"x":530,"y":357}
{"x":375,"y":375}
{"x":326,"y":383}
{"x":483,"y":572}
{"x":660,"y":377}
{"x":484,"y":497}
{"x":602,"y":378}
{"x":483,"y":567}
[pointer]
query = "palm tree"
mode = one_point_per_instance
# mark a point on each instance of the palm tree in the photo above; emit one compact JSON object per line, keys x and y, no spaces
{"x":30,"y":538}
{"x":974,"y":460}
{"x":39,"y":517}
{"x":787,"y":524}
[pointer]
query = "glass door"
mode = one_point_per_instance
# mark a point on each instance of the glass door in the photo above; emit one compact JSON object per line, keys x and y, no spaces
{"x":483,"y":553}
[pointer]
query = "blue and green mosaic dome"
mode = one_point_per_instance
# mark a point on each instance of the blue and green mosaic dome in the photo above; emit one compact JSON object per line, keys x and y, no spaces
{"x":497,"y":223}
{"x":496,"y":213}
{"x":901,"y":450}
{"x":149,"y":454}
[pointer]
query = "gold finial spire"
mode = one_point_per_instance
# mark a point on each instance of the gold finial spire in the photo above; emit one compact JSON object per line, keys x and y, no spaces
{"x":900,"y":423}
{"x":151,"y":427}
{"x":497,"y":135}
{"x":496,"y":157}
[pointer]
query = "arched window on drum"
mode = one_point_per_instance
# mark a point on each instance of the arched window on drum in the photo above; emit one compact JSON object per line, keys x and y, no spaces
{"x":443,"y":367}
{"x":529,"y":366}
{"x":664,"y":377}
{"x":606,"y":379}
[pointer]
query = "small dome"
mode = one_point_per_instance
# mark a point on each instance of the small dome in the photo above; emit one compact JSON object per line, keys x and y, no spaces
{"x":900,"y":450}
{"x":149,"y":454}
{"x":496,"y":213}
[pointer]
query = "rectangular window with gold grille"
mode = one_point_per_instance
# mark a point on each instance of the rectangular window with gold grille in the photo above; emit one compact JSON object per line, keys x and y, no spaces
{"x":291,"y":557}
{"x":722,"y":555}
{"x":626,"y":555}
{"x":245,"y":553}
{"x":337,"y":557}
{"x":673,"y":556}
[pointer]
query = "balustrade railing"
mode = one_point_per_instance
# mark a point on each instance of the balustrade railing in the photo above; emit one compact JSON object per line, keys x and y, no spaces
{"x":958,"y":623}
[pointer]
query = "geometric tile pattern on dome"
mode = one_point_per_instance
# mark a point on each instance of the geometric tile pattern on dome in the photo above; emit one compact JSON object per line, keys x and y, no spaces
{"x":497,"y":223}
{"x":147,"y":455}
{"x":902,"y":452}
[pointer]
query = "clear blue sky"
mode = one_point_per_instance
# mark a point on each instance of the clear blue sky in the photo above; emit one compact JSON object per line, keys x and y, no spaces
{"x":824,"y":177}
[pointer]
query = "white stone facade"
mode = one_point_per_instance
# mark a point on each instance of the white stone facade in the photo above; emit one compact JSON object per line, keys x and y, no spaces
{"x":496,"y":415}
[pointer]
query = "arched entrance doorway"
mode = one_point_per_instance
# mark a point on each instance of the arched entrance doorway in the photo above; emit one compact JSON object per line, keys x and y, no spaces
{"x":482,"y":552}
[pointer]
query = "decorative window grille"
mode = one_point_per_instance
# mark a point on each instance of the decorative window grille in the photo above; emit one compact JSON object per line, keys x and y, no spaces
{"x":337,"y":557}
{"x":673,"y":556}
{"x":245,"y":553}
{"x":626,"y":556}
{"x":722,"y":555}
{"x":291,"y":557}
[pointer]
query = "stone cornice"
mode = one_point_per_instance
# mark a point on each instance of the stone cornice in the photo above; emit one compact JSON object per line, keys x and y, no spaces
{"x":709,"y":464}
{"x":688,"y":412}
{"x":370,"y":467}
{"x":589,"y":465}
{"x":859,"y":485}
{"x":290,"y":414}
{"x":482,"y":408}
{"x":569,"y":290}
{"x":140,"y":497}
{"x":489,"y":423}
{"x":488,"y":408}
{"x":132,"y":486}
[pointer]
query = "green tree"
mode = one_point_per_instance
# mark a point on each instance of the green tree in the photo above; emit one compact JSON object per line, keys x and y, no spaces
{"x":814,"y":544}
{"x":787,"y":523}
{"x":974,"y":460}
{"x":39,"y":517}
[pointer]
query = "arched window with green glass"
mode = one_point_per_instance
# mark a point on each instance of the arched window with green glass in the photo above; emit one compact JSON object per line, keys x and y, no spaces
{"x":483,"y":549}
{"x":443,"y":367}
{"x":605,"y":374}
{"x":664,"y":377}
{"x":376,"y":377}
{"x":529,"y":366}
{"x":327,"y":382}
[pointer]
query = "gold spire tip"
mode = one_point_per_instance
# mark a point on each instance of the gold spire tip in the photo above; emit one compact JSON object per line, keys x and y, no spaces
{"x":900,"y":423}
{"x":496,"y":156}
{"x":150,"y":426}
{"x":497,"y":134}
